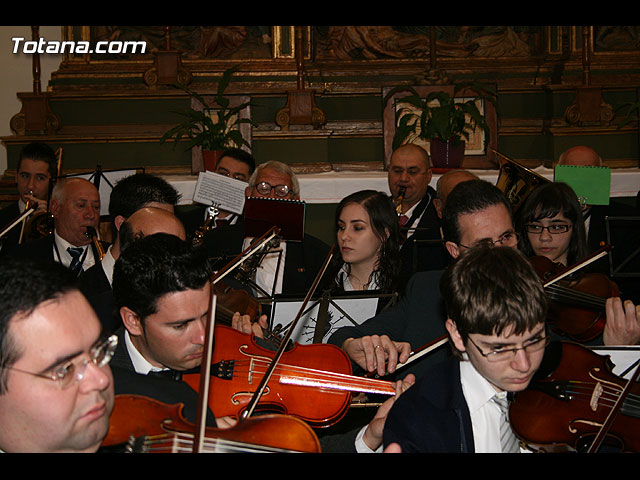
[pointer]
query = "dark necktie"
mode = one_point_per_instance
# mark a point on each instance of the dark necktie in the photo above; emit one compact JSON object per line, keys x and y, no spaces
{"x":168,"y":374}
{"x":76,"y":264}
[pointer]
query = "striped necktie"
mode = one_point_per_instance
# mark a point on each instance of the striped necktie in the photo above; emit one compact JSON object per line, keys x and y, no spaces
{"x":508,"y":440}
{"x":76,"y":263}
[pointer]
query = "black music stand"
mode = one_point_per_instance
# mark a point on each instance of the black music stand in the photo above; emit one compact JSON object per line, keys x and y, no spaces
{"x":324,"y":314}
{"x":624,"y":234}
{"x":104,"y":180}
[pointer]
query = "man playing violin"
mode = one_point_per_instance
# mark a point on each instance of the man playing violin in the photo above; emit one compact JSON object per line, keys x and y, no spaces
{"x":56,"y":388}
{"x":292,"y":266}
{"x":162,"y":290}
{"x":496,"y":313}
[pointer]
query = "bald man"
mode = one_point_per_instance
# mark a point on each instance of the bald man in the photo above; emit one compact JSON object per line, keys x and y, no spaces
{"x":624,"y":237}
{"x":580,"y":155}
{"x":75,"y":206}
{"x":410,"y":172}
{"x":96,"y":283}
{"x":445,"y":184}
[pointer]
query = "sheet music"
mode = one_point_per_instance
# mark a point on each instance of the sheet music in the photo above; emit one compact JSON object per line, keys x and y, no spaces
{"x":106,"y":184}
{"x":358,"y":310}
{"x":624,"y":358}
{"x":227,"y":192}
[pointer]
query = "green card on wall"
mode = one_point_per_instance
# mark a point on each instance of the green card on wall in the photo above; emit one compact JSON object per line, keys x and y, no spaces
{"x":591,"y":184}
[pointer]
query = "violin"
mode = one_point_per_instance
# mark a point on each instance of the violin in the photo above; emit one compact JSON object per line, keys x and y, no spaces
{"x":312,"y":382}
{"x":577,"y":303}
{"x":140,"y":424}
{"x":570,"y":398}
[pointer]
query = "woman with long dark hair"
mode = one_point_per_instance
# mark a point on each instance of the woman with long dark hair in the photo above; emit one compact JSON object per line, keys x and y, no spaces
{"x":367,"y":244}
{"x":550,"y":224}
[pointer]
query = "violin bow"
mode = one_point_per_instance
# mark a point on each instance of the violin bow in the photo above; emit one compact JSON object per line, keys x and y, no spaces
{"x":207,"y":354}
{"x":606,"y":426}
{"x":250,"y":250}
{"x":285,"y":340}
{"x":590,"y":259}
{"x":205,"y":379}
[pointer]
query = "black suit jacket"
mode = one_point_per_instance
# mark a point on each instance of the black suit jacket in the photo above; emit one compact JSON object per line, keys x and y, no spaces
{"x":96,"y":287}
{"x":418,"y":318}
{"x":127,"y":381}
{"x":10,"y":241}
{"x":42,"y":250}
{"x":424,"y":250}
{"x":302,"y":261}
{"x":432,"y":416}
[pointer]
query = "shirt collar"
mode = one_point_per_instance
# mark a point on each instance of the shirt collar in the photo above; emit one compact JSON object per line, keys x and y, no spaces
{"x":140,"y":364}
{"x":477,"y":389}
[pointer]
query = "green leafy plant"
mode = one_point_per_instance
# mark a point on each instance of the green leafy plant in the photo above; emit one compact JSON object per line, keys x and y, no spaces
{"x":438,"y":115}
{"x":214,"y":127}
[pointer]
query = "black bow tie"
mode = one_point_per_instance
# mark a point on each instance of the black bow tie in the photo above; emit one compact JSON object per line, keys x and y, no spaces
{"x":168,"y":374}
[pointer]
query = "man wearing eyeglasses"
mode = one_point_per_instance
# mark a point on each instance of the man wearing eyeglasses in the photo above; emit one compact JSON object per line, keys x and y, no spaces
{"x":475,"y":212}
{"x":496,"y":309}
{"x":299,"y":261}
{"x":56,"y":389}
{"x":410,"y":173}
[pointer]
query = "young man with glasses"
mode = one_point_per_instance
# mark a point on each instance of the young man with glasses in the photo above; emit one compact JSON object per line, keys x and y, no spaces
{"x":56,"y":389}
{"x":475,"y":212}
{"x":289,"y":268}
{"x":496,"y":312}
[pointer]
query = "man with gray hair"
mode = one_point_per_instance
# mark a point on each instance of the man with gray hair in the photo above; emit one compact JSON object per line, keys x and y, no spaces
{"x":300,"y":261}
{"x":75,"y":207}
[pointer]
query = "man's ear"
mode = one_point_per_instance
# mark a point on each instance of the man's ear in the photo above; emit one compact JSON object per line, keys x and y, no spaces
{"x":131,"y":321}
{"x":118,"y":221}
{"x":453,"y":249}
{"x":454,"y":334}
{"x":54,"y":207}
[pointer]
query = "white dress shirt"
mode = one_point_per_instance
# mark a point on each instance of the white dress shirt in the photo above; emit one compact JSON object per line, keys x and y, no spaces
{"x":268,"y":270}
{"x":61,"y":255}
{"x":485,"y":414}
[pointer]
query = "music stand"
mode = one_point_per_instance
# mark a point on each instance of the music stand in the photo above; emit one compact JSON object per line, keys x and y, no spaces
{"x":324,"y":315}
{"x":624,"y":234}
{"x":106,"y":178}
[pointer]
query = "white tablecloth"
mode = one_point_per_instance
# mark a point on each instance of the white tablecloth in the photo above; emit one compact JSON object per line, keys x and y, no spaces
{"x":331,"y":187}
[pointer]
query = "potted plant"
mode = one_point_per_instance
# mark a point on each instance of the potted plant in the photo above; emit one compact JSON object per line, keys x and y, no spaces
{"x":444,"y":120}
{"x":213,"y":127}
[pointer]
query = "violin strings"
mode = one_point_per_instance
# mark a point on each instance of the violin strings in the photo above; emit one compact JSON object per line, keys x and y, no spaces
{"x":183,"y":443}
{"x":558,"y":292}
{"x":580,"y":390}
{"x":313,"y":377}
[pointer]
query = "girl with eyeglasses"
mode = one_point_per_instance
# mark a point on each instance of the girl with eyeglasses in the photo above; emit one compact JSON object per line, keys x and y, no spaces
{"x":550,"y":224}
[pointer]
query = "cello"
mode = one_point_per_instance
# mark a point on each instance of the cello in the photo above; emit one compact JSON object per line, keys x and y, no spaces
{"x":575,"y":399}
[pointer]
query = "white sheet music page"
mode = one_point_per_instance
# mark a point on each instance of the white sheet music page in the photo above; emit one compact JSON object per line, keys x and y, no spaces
{"x":227,"y":192}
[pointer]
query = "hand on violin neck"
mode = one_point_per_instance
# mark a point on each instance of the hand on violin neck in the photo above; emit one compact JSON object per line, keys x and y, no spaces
{"x":244,"y":324}
{"x":623,"y":323}
{"x":373,"y":434}
{"x":226,"y":422}
{"x":377,"y":353}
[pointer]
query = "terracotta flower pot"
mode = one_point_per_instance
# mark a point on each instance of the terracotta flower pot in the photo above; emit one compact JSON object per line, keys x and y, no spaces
{"x":446,"y":154}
